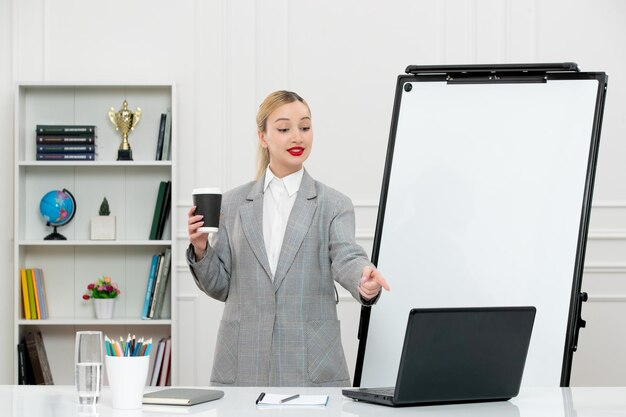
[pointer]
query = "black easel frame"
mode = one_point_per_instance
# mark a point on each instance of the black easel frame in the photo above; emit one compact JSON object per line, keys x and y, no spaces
{"x":509,"y":73}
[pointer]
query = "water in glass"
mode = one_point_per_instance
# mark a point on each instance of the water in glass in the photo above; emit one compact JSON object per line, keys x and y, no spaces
{"x":88,"y":382}
{"x":88,"y":361}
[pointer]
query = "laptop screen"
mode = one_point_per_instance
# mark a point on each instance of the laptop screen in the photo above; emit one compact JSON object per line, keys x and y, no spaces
{"x":464,"y":354}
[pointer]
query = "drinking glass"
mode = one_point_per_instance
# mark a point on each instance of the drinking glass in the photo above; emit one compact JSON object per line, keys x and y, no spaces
{"x":88,"y":360}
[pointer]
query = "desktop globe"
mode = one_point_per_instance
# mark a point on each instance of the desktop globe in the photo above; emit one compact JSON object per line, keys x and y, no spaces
{"x":58,"y":208}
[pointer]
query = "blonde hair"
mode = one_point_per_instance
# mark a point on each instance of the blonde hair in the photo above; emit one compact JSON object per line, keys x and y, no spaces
{"x":271,"y":103}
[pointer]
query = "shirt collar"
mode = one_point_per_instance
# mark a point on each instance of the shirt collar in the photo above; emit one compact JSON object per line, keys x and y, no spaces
{"x":292,"y":181}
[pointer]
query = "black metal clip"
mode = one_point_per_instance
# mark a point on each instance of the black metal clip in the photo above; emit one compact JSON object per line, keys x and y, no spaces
{"x":580,"y":323}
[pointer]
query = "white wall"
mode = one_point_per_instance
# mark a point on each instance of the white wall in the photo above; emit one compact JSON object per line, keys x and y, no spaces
{"x":6,"y":187}
{"x":343,"y":57}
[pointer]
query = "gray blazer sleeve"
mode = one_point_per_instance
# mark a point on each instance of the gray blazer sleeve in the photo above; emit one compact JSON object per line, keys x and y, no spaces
{"x":212,"y":273}
{"x":347,"y":257}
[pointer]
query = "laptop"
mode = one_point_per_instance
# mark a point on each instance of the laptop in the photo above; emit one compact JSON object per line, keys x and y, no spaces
{"x":458,"y":355}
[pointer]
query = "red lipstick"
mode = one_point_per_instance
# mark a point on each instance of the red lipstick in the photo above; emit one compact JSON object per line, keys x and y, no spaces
{"x":296,"y":150}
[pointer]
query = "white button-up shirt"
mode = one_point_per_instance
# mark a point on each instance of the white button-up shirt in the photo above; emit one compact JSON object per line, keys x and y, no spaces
{"x":277,"y":205}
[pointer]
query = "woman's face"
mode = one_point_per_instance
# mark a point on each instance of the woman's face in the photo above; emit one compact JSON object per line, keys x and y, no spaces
{"x":288,"y":136}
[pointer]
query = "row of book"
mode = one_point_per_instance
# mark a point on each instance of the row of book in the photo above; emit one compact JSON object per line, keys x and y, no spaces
{"x":66,"y":142}
{"x":158,"y":280}
{"x":162,"y":363}
{"x":34,"y":294}
{"x":34,"y":368}
{"x":164,"y":139}
{"x":32,"y":361}
{"x":161,"y":210}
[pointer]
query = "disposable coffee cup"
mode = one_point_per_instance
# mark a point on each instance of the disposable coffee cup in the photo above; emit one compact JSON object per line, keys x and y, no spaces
{"x":208,"y":202}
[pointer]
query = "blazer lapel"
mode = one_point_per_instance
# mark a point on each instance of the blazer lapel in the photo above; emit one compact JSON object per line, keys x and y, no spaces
{"x":252,"y":224}
{"x":297,"y":227}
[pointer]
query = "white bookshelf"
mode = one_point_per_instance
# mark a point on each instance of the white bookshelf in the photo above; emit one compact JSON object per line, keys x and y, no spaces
{"x":131,"y":188}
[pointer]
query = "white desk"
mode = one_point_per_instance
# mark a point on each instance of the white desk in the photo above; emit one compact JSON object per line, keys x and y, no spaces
{"x":48,"y":401}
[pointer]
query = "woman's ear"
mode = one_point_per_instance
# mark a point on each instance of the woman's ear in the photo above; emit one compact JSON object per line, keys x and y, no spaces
{"x":262,"y":140}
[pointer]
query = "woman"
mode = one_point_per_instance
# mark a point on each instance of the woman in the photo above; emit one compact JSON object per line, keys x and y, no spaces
{"x":282,"y":242}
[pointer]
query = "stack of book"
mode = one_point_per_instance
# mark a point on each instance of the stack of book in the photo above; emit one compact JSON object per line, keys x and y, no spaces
{"x":161,"y":210}
{"x":34,"y":294}
{"x":32,"y":361}
{"x":66,"y":142}
{"x":156,"y":287}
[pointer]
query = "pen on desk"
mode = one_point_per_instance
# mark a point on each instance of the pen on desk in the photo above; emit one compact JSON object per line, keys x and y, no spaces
{"x":261,"y":395}
{"x":293,"y":397}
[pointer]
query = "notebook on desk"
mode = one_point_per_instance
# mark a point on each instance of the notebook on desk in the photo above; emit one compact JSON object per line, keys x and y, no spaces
{"x":182,"y":396}
{"x":457,"y":355}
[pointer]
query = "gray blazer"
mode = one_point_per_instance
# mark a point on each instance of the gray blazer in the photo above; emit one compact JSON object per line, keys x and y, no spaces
{"x":283,"y":332}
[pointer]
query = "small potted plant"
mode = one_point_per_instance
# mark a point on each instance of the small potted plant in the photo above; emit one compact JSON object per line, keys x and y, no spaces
{"x":103,"y":225}
{"x":103,"y":292}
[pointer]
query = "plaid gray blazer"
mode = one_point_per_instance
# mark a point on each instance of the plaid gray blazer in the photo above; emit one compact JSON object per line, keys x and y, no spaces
{"x":283,"y":332}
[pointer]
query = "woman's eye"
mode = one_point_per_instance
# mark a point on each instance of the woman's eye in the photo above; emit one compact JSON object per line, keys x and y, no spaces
{"x":306,"y":129}
{"x":283,"y":130}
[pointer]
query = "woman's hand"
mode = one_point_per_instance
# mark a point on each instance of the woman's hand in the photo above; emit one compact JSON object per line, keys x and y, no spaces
{"x":371,"y":283}
{"x":199,"y":240}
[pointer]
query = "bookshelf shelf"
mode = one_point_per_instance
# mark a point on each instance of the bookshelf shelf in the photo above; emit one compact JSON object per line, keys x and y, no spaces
{"x":94,"y":322}
{"x":131,"y":188}
{"x":94,"y":242}
{"x":110,"y":164}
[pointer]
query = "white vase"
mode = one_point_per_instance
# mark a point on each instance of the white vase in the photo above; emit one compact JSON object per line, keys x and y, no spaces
{"x":103,"y":228}
{"x":104,"y":307}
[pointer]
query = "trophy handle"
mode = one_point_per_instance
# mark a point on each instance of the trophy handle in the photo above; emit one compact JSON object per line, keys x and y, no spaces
{"x":112,"y":117}
{"x":136,"y":117}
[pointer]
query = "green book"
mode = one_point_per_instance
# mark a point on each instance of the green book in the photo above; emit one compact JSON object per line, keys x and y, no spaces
{"x":165,"y":154}
{"x":158,"y":207}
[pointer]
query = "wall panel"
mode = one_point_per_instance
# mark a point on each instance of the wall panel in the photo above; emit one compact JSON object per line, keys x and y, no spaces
{"x":343,"y":57}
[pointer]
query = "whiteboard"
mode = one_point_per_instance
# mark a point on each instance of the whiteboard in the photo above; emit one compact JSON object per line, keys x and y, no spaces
{"x":485,"y":188}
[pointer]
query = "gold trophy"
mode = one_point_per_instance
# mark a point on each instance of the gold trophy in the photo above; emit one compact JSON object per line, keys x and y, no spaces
{"x":124,"y":121}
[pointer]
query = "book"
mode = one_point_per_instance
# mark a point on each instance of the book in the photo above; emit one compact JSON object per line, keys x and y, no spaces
{"x":28,"y":366}
{"x":25,"y":368}
{"x":158,"y":272}
{"x":36,"y":293}
{"x":182,"y":396}
{"x":165,"y":365}
{"x":64,"y":139}
{"x":31,"y":295}
{"x":165,"y":210}
{"x":21,"y":364}
{"x":41,"y":291}
{"x":65,"y":148}
{"x":161,"y":285}
{"x":161,"y":137}
{"x":80,"y":156}
{"x":158,"y":207}
{"x":150,"y":286}
{"x":65,"y":130}
{"x":167,"y":140}
{"x":158,"y":359}
{"x":157,"y":283}
{"x":38,"y":358}
{"x":25,"y":298}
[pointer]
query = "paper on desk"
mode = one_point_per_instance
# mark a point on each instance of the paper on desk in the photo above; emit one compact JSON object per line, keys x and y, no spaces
{"x":274,"y":400}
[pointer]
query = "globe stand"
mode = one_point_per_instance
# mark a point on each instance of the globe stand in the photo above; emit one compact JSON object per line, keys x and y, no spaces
{"x":55,"y":235}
